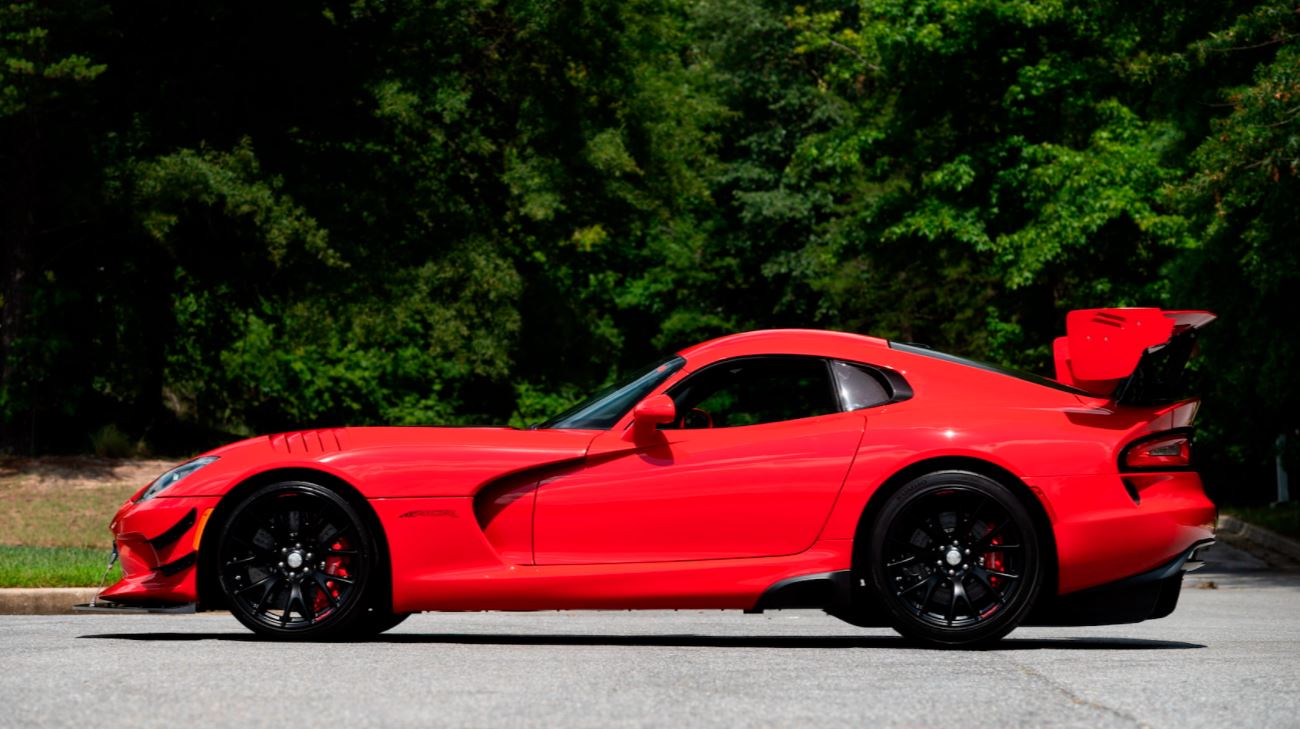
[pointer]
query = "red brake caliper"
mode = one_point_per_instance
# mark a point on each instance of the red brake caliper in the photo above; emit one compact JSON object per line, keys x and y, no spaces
{"x":335,"y":565}
{"x":994,"y":561}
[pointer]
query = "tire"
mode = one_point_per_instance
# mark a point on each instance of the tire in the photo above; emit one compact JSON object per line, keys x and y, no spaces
{"x":378,"y":621}
{"x":956,"y":560}
{"x":296,"y":561}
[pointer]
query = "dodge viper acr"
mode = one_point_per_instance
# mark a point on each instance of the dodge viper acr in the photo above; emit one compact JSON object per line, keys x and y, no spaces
{"x":885,"y":483}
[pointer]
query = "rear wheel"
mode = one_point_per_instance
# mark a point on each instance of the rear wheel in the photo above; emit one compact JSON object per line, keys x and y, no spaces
{"x":955,"y":559}
{"x":296,"y":561}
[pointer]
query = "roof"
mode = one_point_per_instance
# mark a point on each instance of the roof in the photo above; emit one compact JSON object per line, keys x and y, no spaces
{"x":818,"y":342}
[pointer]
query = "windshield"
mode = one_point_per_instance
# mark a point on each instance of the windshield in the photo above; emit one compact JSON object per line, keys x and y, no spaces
{"x":602,"y":410}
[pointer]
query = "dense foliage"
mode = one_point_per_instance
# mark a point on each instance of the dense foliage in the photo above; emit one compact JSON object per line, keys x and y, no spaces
{"x":226,"y":218}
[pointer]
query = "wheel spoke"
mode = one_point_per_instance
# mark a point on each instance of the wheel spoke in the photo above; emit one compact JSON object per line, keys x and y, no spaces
{"x":929,"y":592}
{"x":255,"y":585}
{"x":951,"y":614}
{"x":304,"y":606}
{"x":967,"y":525}
{"x":923,"y":583}
{"x":985,"y":541}
{"x":328,"y":537}
{"x":323,"y":586}
{"x":288,"y":605}
{"x":959,"y":591}
{"x":983,"y":576}
{"x":1003,"y":575}
{"x":901,"y":562}
{"x":261,"y":602}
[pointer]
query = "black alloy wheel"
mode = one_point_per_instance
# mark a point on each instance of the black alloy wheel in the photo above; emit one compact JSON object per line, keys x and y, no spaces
{"x":296,"y":561}
{"x":955,"y":558}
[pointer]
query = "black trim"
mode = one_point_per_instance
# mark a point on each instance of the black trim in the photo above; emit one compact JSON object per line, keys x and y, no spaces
{"x":901,"y":388}
{"x":894,"y":383}
{"x":1132,"y":490}
{"x":818,"y":591}
{"x":834,"y":384}
{"x":1158,"y":376}
{"x":176,"y":531}
{"x":1145,"y":596}
{"x":122,"y":608}
{"x":1123,"y":454}
{"x":924,"y":351}
{"x":179,"y":565}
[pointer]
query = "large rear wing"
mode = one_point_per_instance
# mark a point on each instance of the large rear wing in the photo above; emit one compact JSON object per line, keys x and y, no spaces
{"x":1133,"y":356}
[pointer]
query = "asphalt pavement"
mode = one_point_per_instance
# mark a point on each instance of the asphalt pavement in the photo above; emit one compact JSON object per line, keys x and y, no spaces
{"x":1229,"y":656}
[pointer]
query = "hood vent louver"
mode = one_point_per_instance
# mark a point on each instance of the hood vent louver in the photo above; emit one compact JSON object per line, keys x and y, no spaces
{"x":307,"y":442}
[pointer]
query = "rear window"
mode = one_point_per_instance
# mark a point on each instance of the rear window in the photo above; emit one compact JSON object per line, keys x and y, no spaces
{"x":859,"y":387}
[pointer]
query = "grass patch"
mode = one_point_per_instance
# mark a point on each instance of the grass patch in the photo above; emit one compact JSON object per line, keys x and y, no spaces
{"x":67,"y":501}
{"x":54,"y":515}
{"x":1283,"y":519}
{"x":53,"y":566}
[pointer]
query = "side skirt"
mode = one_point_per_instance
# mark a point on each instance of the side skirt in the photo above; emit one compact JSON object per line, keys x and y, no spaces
{"x":826,"y":590}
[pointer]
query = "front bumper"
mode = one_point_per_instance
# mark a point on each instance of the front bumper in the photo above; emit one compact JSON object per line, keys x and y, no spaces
{"x":157,"y":543}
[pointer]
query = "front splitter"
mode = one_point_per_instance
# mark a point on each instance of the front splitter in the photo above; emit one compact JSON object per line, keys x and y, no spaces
{"x":112,"y":607}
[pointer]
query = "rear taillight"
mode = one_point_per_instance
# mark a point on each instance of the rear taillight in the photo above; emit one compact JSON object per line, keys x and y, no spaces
{"x":1166,"y":451}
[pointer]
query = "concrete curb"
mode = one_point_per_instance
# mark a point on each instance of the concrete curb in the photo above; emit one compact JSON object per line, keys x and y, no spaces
{"x":1259,"y":536}
{"x":43,"y":600}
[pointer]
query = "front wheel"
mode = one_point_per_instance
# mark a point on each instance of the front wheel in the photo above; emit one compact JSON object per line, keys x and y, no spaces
{"x":378,"y":621}
{"x":955,"y":559}
{"x":296,"y":561}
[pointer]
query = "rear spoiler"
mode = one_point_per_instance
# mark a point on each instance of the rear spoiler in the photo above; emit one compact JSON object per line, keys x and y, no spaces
{"x":1134,"y":356}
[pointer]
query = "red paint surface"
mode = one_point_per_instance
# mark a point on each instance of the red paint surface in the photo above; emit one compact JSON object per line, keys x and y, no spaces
{"x":496,"y":518}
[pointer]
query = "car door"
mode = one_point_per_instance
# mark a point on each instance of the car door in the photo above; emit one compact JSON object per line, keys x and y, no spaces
{"x":750,"y":468}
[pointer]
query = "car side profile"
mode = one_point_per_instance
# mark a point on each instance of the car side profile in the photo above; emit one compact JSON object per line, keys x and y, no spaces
{"x":885,"y":483}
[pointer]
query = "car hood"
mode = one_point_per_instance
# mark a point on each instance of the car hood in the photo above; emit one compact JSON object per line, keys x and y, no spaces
{"x":393,"y":462}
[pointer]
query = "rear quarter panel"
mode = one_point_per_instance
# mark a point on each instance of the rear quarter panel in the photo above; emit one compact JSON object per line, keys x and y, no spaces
{"x":1063,"y":446}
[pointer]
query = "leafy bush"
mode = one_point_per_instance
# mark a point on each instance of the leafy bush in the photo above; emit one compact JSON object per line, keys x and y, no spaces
{"x":110,"y":442}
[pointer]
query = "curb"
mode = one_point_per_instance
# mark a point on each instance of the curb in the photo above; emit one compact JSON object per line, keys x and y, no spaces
{"x":43,"y":600}
{"x":1259,"y":536}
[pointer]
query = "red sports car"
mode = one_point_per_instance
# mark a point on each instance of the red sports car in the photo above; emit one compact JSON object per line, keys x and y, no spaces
{"x":886,"y":483}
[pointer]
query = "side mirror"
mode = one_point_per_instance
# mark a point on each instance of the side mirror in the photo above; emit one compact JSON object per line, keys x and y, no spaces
{"x":654,"y":411}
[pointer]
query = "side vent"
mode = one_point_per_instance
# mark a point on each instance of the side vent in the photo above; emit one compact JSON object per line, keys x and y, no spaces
{"x":307,"y":442}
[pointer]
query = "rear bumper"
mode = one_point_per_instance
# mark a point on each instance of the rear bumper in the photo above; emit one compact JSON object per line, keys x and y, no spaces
{"x":157,"y":544}
{"x":1146,"y":596}
{"x":1112,"y":526}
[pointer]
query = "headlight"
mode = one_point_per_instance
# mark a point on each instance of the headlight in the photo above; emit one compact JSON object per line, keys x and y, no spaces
{"x":174,"y":475}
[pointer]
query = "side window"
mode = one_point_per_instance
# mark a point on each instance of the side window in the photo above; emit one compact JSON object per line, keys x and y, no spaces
{"x":859,"y":386}
{"x":754,"y":390}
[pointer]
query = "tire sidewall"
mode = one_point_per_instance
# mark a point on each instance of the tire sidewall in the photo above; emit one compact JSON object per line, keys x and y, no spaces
{"x":973,"y":636}
{"x":343,"y":622}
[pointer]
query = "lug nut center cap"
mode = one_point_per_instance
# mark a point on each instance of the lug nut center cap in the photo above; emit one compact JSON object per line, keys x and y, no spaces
{"x":294,"y":560}
{"x":953,"y":557}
